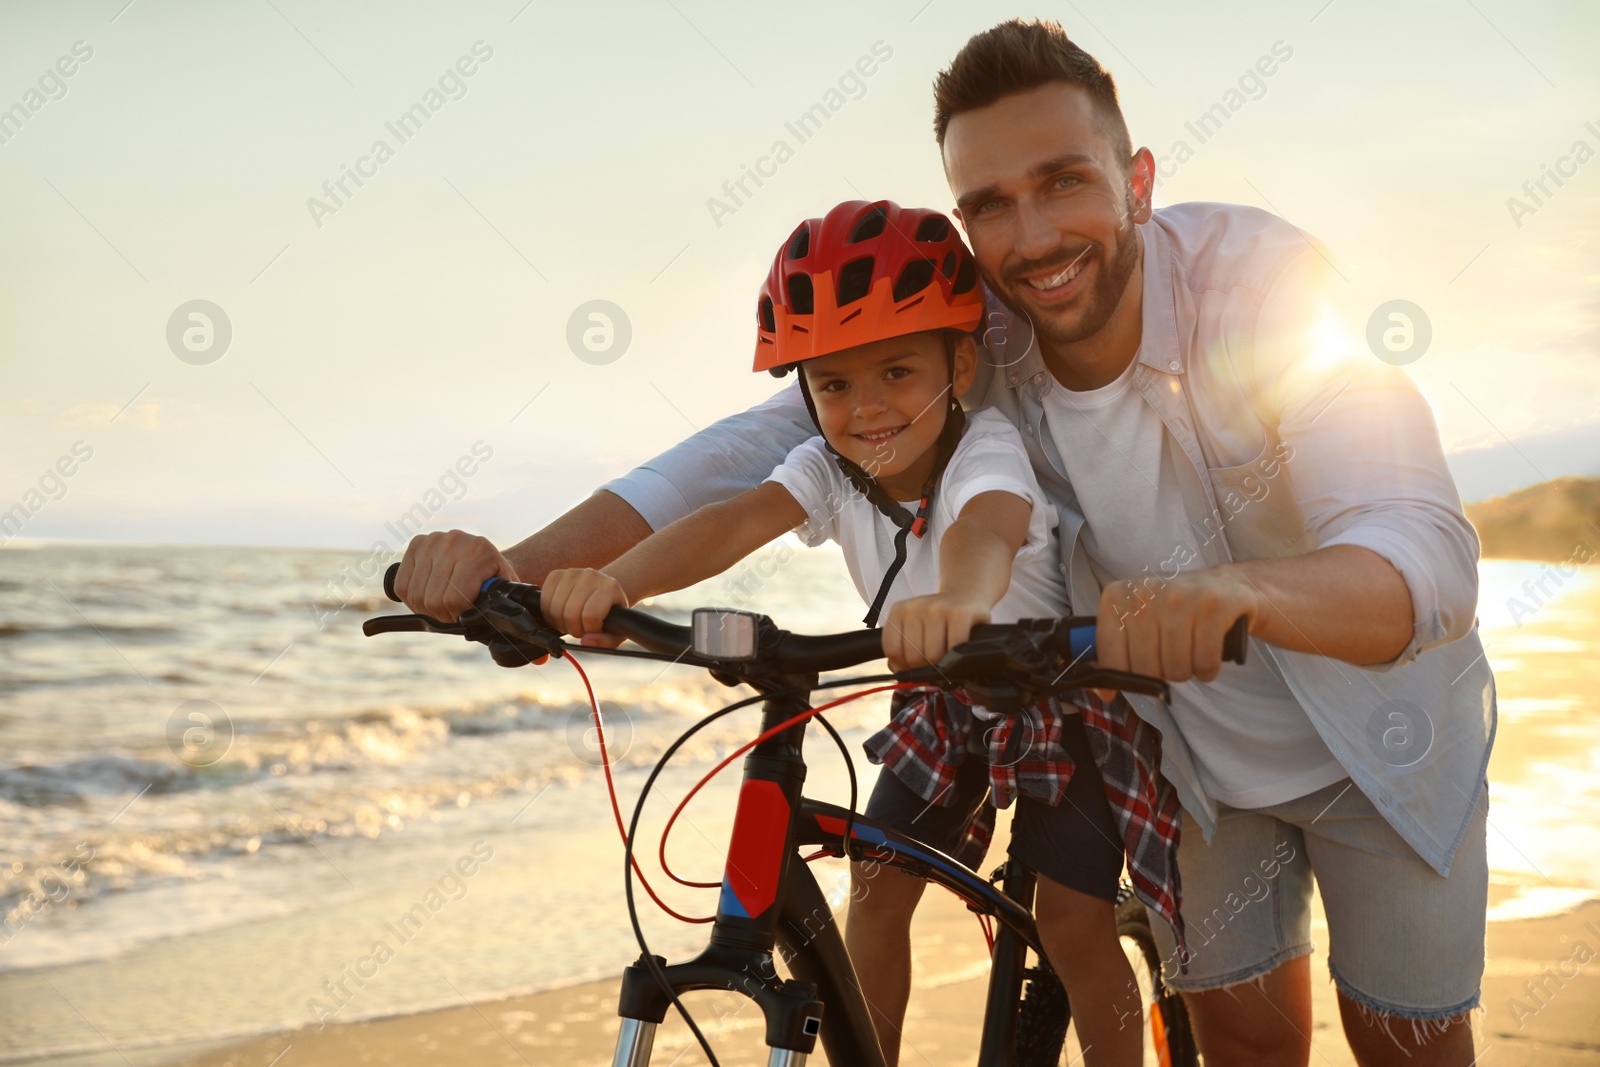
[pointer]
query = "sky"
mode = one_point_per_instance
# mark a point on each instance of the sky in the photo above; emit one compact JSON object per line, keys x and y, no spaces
{"x":422,"y":335}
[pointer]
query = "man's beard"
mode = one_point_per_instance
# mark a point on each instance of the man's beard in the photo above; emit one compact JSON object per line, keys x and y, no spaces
{"x":1109,"y":283}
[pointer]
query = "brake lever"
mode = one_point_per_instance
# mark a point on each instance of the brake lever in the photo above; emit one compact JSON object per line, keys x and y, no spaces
{"x":1023,"y":666}
{"x":517,"y":631}
{"x":1122,"y":681}
{"x":514,"y":634}
{"x":395,"y":624}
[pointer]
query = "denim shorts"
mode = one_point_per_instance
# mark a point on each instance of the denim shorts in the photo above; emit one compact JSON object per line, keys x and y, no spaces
{"x":1403,"y":941}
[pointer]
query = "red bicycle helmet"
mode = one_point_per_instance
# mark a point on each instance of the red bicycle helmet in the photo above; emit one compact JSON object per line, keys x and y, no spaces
{"x":864,"y":272}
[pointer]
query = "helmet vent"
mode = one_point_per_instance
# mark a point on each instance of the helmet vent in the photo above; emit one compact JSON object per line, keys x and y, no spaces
{"x":768,"y":323}
{"x":966,"y":278}
{"x":869,"y":225}
{"x":948,"y":267}
{"x":801,"y":299}
{"x":933,"y":228}
{"x":800,"y":243}
{"x":855,"y":280}
{"x":915,"y":278}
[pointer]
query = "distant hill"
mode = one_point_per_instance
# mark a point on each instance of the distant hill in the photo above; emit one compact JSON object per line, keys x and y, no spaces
{"x":1557,"y":520}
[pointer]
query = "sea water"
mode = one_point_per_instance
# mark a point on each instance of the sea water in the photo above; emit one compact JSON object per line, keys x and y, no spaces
{"x":217,"y":798}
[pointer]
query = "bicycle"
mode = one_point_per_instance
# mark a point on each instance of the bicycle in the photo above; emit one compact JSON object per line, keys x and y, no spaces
{"x":769,"y":901}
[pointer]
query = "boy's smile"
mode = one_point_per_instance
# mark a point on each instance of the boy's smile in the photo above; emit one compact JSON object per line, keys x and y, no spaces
{"x":882,"y":405}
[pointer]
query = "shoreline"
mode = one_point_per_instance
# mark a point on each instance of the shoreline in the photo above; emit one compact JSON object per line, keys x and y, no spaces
{"x":576,"y":1024}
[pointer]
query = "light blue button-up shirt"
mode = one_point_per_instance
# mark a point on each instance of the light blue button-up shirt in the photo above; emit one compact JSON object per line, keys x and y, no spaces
{"x":1287,"y":437}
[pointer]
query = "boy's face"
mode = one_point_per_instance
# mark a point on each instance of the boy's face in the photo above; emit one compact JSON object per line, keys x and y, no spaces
{"x":883,"y":404}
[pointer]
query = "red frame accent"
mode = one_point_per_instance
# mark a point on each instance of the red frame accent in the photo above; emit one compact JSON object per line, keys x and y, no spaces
{"x":755,"y":852}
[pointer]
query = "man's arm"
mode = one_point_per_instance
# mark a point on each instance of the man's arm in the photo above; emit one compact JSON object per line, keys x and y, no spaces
{"x":1396,"y":572}
{"x":1344,"y":602}
{"x":718,"y":463}
{"x":1368,"y":472}
{"x":442,"y":571}
{"x":592,"y":534}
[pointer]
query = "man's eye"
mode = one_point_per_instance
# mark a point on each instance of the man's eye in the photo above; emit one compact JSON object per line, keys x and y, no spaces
{"x":1067,"y":181}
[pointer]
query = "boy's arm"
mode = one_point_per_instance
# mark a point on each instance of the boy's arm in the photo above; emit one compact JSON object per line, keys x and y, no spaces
{"x":707,"y":542}
{"x":698,"y":546}
{"x":975,"y":558}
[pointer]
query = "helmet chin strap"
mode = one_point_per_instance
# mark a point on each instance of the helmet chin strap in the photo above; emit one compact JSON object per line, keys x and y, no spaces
{"x":955,"y":423}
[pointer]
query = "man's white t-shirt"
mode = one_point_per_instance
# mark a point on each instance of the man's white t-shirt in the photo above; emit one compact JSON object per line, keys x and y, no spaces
{"x":989,"y":457}
{"x":1253,"y":744}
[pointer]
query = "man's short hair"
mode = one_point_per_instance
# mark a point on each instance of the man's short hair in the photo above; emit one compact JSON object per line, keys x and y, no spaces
{"x":1017,"y":56}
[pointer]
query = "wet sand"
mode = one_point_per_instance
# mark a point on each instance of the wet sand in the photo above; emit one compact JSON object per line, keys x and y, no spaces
{"x":578,"y":1026}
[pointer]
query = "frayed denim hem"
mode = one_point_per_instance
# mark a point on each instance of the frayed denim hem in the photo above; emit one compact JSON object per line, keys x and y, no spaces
{"x":1247,"y":974}
{"x":1425,"y":1022}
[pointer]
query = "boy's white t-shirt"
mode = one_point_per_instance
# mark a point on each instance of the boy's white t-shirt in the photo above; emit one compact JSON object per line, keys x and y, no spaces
{"x":989,"y":457}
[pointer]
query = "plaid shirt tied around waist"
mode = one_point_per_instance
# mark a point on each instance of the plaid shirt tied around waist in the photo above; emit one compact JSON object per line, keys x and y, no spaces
{"x":928,"y":738}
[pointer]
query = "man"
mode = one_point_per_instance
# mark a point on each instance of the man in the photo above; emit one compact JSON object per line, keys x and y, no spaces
{"x":1214,"y":449}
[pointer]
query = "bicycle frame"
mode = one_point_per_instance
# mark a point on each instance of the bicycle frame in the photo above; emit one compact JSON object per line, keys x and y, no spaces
{"x":765,"y":901}
{"x":770,"y":899}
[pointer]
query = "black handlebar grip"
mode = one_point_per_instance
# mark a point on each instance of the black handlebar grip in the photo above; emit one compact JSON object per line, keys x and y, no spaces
{"x":1236,"y":641}
{"x":388,"y":581}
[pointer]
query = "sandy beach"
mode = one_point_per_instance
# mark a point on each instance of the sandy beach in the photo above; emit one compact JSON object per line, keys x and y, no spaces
{"x":578,"y":1026}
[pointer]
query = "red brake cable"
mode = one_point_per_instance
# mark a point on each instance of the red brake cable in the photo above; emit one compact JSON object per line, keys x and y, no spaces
{"x":611,"y":789}
{"x":741,"y":750}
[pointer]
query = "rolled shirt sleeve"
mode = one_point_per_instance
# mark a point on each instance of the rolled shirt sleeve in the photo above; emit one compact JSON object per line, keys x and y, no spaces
{"x":1367,"y":467}
{"x":719,"y":462}
{"x":815,"y":482}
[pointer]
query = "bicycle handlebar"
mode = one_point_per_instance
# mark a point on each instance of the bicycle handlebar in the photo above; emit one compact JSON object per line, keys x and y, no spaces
{"x":795,"y":653}
{"x":1033,"y":649}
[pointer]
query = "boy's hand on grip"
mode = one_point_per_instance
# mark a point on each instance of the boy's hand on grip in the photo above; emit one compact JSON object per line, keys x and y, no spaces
{"x":577,"y":600}
{"x":919,"y":631}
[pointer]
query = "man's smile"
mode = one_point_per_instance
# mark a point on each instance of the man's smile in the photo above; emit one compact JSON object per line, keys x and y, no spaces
{"x":1057,"y":283}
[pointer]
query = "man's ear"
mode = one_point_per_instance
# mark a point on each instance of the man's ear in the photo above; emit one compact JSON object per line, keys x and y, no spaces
{"x":1142,"y":184}
{"x":957,"y":213}
{"x":965,"y":366}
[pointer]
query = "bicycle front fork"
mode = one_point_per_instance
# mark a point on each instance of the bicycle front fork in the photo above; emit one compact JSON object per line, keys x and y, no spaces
{"x":637,"y":1037}
{"x":634,"y":1043}
{"x":792,"y":1010}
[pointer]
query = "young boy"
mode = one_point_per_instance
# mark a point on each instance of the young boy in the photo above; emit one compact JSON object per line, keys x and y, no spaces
{"x":943,"y":524}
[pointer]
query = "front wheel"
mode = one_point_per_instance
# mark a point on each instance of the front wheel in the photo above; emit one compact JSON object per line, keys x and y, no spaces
{"x":1171,"y":1042}
{"x":1044,"y":1013}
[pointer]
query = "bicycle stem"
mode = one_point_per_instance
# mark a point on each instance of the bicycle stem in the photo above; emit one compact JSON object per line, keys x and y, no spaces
{"x":762,"y":843}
